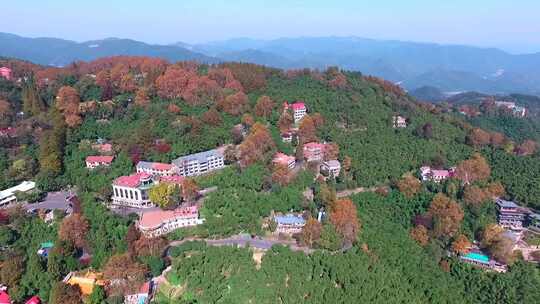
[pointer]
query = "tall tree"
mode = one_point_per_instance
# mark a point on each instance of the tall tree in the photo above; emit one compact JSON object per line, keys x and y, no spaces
{"x":67,"y":102}
{"x":344,"y":218}
{"x":447,"y":216}
{"x":311,"y":233}
{"x":74,"y":229}
{"x":264,"y":106}
{"x":66,"y":294}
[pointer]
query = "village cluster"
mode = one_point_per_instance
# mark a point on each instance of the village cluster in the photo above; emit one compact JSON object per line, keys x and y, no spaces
{"x":515,"y":219}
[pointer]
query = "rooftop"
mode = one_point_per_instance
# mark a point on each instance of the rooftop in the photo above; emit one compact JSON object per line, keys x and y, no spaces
{"x":289,"y":219}
{"x":506,"y":204}
{"x":174,"y":179}
{"x":314,"y":145}
{"x":99,"y":159}
{"x":153,"y":219}
{"x":201,"y":157}
{"x":153,"y":165}
{"x":332,"y":163}
{"x":283,"y":158}
{"x":23,"y":187}
{"x":133,"y":180}
{"x":298,"y":106}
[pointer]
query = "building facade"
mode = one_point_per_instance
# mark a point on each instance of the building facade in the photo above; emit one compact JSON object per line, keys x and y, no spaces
{"x":132,"y":191}
{"x":199,"y":163}
{"x":97,"y":161}
{"x":160,"y":222}
{"x":331,"y":168}
{"x":399,"y":122}
{"x":314,"y":151}
{"x":429,"y":174}
{"x":510,"y":215}
{"x":155,"y":169}
{"x":289,"y":224}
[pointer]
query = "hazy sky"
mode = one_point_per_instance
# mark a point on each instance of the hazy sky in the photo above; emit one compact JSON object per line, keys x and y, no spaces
{"x":512,"y":25}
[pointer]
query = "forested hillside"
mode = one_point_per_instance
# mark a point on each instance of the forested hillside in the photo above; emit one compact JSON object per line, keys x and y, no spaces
{"x":396,"y":250}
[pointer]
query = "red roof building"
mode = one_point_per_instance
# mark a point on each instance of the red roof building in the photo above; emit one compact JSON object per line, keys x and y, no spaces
{"x":156,"y":169}
{"x":5,"y":72}
{"x":160,"y":222}
{"x":314,"y":151}
{"x":173,"y":179}
{"x":284,"y":160}
{"x":8,"y":132}
{"x":132,"y":190}
{"x":96,"y":161}
{"x":298,"y":108}
{"x":4,"y":298}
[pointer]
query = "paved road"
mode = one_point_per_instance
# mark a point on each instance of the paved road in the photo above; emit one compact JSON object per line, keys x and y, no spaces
{"x":54,"y":200}
{"x":245,"y":241}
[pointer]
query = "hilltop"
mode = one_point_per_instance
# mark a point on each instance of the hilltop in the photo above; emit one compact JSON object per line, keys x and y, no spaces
{"x":397,"y":240}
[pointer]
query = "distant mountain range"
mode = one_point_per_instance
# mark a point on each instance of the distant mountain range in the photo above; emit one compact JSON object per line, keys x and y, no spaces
{"x":449,"y":68}
{"x":59,"y":52}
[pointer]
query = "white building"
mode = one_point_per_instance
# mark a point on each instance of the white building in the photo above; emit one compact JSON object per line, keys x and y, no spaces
{"x":399,"y":122}
{"x":429,"y":174}
{"x":331,"y":167}
{"x":289,"y":224}
{"x":160,"y":222}
{"x":8,"y":196}
{"x":200,"y":163}
{"x":155,"y":169}
{"x":132,"y":191}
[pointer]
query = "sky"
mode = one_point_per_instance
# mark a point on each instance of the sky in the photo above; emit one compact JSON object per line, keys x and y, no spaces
{"x":510,"y":25}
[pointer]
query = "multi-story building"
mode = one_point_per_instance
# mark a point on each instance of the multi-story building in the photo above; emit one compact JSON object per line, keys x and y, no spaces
{"x":287,"y":137}
{"x":298,"y":108}
{"x":155,"y":169}
{"x":510,"y":214}
{"x":5,"y":72}
{"x":331,"y":168}
{"x":97,"y":161}
{"x":289,"y":224}
{"x":314,"y":151}
{"x":200,"y":163}
{"x":284,"y":160}
{"x":399,"y":122}
{"x":160,"y":222}
{"x":132,"y":191}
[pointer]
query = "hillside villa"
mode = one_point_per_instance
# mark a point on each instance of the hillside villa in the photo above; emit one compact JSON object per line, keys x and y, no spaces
{"x":331,"y":168}
{"x":287,"y":136}
{"x":200,"y":163}
{"x":132,"y":190}
{"x":284,"y":160}
{"x":6,"y":73}
{"x":314,"y":151}
{"x":160,"y":222}
{"x":298,"y":108}
{"x":510,"y":215}
{"x":399,"y":122}
{"x":155,"y":169}
{"x":8,"y":196}
{"x":289,"y":224}
{"x":429,"y":174}
{"x":98,"y":161}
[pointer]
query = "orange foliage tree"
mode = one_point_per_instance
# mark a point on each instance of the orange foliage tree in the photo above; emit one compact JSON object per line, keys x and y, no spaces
{"x":311,"y":233}
{"x":67,"y":102}
{"x":264,"y":106}
{"x":256,"y":146}
{"x":461,"y":245}
{"x":345,"y":219}
{"x":447,"y":216}
{"x":420,"y":235}
{"x":409,"y":186}
{"x":474,"y":169}
{"x":73,"y":229}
